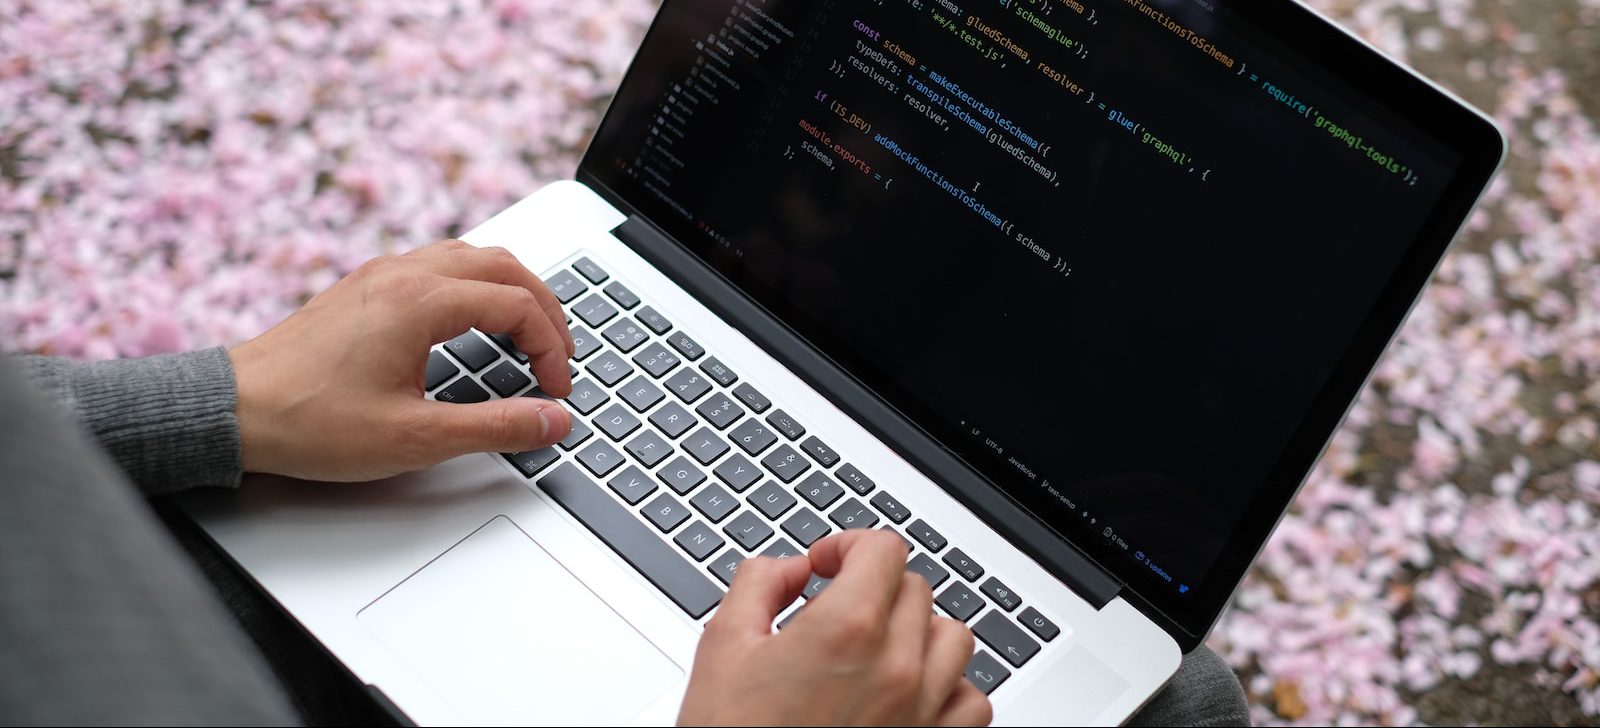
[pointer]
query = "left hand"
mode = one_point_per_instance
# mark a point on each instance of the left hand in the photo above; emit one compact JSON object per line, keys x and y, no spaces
{"x":335,"y":392}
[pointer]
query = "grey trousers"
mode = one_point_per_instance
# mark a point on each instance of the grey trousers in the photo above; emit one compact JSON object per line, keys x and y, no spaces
{"x":108,"y":615}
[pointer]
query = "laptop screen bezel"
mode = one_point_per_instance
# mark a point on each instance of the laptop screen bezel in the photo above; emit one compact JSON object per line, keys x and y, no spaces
{"x":1456,"y":126}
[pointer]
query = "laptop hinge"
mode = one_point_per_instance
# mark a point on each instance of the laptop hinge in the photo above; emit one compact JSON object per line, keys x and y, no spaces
{"x":1071,"y":566}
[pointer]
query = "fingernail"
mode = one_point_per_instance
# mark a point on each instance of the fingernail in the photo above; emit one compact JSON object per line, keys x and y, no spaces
{"x":554,"y":417}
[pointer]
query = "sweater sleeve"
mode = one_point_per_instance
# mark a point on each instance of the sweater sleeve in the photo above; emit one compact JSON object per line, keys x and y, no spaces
{"x":168,"y":421}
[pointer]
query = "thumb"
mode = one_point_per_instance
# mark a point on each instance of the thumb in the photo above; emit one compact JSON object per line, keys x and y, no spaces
{"x":502,"y":425}
{"x":761,"y":588}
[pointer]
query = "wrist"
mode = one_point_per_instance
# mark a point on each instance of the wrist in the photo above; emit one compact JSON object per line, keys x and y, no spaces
{"x":259,"y":436}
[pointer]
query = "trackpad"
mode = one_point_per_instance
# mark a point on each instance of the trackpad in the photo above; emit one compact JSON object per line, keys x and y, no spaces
{"x":506,"y":635}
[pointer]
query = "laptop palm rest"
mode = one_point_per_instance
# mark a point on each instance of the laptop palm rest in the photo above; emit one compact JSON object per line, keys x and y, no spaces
{"x":542,"y":648}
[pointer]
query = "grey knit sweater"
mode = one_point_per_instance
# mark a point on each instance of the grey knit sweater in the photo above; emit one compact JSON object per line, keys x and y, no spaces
{"x":102,"y":618}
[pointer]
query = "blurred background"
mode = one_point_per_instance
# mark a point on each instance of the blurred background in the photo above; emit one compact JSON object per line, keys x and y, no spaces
{"x":176,"y":175}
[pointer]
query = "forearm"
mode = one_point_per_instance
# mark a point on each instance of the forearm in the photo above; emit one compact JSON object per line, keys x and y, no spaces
{"x":168,"y":421}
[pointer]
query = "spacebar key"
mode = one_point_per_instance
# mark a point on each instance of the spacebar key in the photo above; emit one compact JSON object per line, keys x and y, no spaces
{"x":625,"y":534}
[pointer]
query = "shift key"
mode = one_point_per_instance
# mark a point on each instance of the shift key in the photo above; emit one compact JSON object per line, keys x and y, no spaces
{"x":625,"y":534}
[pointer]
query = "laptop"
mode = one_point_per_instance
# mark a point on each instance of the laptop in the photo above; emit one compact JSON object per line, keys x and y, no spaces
{"x":1069,"y":294}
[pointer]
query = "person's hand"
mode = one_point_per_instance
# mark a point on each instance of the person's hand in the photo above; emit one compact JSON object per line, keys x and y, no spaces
{"x":867,"y":651}
{"x":335,"y":392}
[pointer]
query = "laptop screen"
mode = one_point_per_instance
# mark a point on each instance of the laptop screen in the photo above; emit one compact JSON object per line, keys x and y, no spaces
{"x":1109,"y":252}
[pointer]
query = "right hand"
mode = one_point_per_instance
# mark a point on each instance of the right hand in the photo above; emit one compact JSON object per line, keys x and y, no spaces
{"x":868,"y":650}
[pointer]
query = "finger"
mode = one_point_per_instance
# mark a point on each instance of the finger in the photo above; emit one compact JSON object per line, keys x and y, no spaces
{"x":865,"y":566}
{"x":948,"y":650}
{"x":454,"y":305}
{"x":968,"y":706}
{"x":761,"y":588}
{"x":906,"y":634}
{"x":513,"y":425}
{"x":456,"y":259}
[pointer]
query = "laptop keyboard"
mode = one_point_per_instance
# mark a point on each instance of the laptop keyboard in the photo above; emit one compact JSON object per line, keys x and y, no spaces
{"x":685,"y":470}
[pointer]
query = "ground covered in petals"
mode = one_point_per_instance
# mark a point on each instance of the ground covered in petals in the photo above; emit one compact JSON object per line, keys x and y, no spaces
{"x":182,"y":174}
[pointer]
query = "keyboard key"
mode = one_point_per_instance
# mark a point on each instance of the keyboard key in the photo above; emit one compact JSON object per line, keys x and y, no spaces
{"x":625,"y":335}
{"x":782,"y":422}
{"x":640,"y":394}
{"x":726,"y":565}
{"x":924,"y":566}
{"x":1002,"y":595}
{"x":738,"y":472}
{"x":470,"y":349}
{"x":593,"y":272}
{"x":985,"y":672}
{"x":656,"y":360}
{"x":463,"y":391}
{"x":786,"y":463}
{"x":963,"y":564}
{"x":853,"y":514}
{"x":772,"y":500}
{"x":616,"y":422}
{"x":565,"y":285}
{"x":752,"y":436}
{"x":586,"y":396}
{"x":609,"y":368}
{"x":699,"y":540}
{"x":705,"y":445}
{"x":688,"y":385}
{"x":670,"y":572}
{"x":632,"y":484}
{"x":748,"y":530}
{"x":504,"y":342}
{"x":439,"y":371}
{"x":784,"y":623}
{"x":621,"y":295}
{"x":819,"y":490}
{"x":681,"y":475}
{"x":579,"y":433}
{"x":654,"y":320}
{"x":781,"y":549}
{"x":600,"y":458}
{"x":719,"y":371}
{"x":824,"y":455}
{"x":1038,"y":624}
{"x":666,"y":512}
{"x":959,"y":602}
{"x":720,"y":411}
{"x":814,"y":586}
{"x":756,"y":401}
{"x":594,"y":310}
{"x":1005,"y":638}
{"x":672,"y":420}
{"x":584,"y":343}
{"x":714,"y":503}
{"x":924,"y":534}
{"x":858,"y":481}
{"x":686,"y":346}
{"x":506,"y":379}
{"x":531,"y":462}
{"x":893,"y":508}
{"x":649,"y":448}
{"x":806,"y":527}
